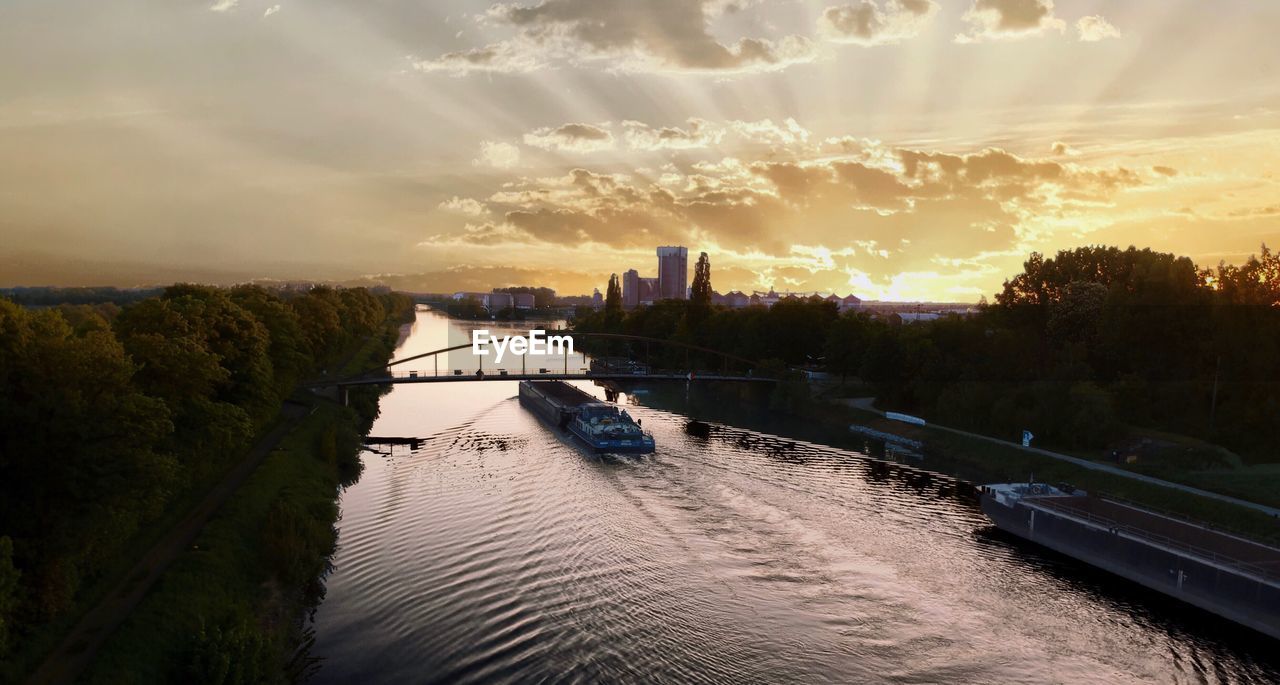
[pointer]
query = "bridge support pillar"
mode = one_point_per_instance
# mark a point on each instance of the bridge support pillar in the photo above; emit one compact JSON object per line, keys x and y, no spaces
{"x":344,"y":392}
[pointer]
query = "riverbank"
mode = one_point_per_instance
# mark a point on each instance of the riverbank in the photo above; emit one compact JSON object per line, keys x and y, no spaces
{"x":984,"y":460}
{"x":232,"y":603}
{"x":231,"y":607}
{"x":295,"y":466}
{"x":973,"y":459}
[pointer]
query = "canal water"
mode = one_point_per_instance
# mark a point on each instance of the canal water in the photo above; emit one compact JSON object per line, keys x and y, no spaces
{"x":498,"y":551}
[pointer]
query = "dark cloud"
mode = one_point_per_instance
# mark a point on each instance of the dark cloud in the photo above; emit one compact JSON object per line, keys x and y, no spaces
{"x":571,"y":137}
{"x":660,"y":34}
{"x":874,"y":23}
{"x":1002,"y":19}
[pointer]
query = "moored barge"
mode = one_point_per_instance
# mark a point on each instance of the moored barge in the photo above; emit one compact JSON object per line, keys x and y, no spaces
{"x":1226,"y":574}
{"x":601,"y":426}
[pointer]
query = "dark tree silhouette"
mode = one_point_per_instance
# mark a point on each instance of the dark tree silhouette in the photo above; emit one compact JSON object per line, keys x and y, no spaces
{"x":700,"y":293}
{"x":613,"y":295}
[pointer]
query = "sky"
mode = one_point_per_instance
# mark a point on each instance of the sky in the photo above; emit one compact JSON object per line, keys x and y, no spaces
{"x":895,"y":149}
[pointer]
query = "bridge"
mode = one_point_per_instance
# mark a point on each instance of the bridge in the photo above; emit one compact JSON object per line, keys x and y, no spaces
{"x":562,"y":369}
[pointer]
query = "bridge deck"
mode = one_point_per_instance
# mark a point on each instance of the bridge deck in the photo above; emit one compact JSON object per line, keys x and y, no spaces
{"x":581,"y":376}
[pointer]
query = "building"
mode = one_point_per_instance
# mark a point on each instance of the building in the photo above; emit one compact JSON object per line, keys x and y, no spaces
{"x":524,"y":300}
{"x":844,"y":303}
{"x":912,"y":317}
{"x":673,"y":273}
{"x":500,"y":301}
{"x":649,"y":291}
{"x":631,"y":289}
{"x":494,"y":302}
{"x":597,"y":300}
{"x":736,"y":299}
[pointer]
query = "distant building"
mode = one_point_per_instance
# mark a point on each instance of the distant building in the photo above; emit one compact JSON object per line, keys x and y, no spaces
{"x":631,"y":289}
{"x":597,"y":300}
{"x":844,"y":303}
{"x":500,"y":301}
{"x":673,"y":273}
{"x":524,"y":300}
{"x":736,"y":298}
{"x":494,"y":302}
{"x":912,"y":317}
{"x":649,"y":292}
{"x":482,"y":298}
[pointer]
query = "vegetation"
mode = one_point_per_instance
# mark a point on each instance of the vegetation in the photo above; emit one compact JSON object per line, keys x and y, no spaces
{"x":111,"y":419}
{"x":41,"y":296}
{"x":613,"y":296}
{"x":1079,"y":348}
{"x":227,"y":611}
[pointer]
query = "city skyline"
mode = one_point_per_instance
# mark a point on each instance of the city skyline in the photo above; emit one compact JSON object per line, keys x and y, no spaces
{"x":902,"y":150}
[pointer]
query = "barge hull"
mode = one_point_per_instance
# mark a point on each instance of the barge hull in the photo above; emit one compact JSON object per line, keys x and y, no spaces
{"x":558,"y":404}
{"x":1245,"y":593}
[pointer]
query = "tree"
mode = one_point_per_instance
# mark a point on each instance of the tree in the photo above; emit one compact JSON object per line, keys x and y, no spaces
{"x":700,"y":293}
{"x":613,"y":295}
{"x":9,"y":576}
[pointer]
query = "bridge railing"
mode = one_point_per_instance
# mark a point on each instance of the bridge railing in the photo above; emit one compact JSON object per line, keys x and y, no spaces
{"x":584,"y":371}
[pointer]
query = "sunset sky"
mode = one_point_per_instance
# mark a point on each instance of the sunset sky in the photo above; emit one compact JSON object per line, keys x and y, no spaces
{"x":897,"y":149}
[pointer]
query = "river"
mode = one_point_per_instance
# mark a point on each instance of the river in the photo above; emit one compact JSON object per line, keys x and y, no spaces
{"x":498,"y":551}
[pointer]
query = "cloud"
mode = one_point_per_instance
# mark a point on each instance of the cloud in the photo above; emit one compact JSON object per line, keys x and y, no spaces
{"x":1094,"y":28}
{"x":874,"y":209}
{"x":463,"y":205}
{"x":700,"y":134}
{"x":498,"y":154}
{"x":224,"y":5}
{"x":1165,"y":170}
{"x":1009,"y":20}
{"x":270,"y":11}
{"x":696,"y":134}
{"x":571,"y":138}
{"x":504,"y":57}
{"x":1061,"y":149}
{"x":635,"y":35}
{"x":871,"y":23}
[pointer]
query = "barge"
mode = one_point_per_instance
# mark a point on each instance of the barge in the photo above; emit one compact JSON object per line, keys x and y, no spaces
{"x":601,"y":426}
{"x":1223,"y":573}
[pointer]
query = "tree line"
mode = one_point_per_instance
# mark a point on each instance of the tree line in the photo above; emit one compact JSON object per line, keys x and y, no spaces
{"x":1076,"y":348}
{"x":109,"y":414}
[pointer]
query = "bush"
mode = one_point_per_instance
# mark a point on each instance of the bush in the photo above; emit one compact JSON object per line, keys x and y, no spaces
{"x":232,"y":655}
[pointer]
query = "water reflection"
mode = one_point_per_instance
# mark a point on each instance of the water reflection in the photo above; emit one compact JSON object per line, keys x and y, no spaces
{"x":499,"y":551}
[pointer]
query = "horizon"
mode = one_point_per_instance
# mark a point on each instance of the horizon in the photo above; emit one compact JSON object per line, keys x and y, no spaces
{"x":902,"y":151}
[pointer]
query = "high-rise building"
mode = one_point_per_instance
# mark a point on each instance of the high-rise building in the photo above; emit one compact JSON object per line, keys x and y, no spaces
{"x":648,"y":291}
{"x":673,"y":273}
{"x":631,"y":289}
